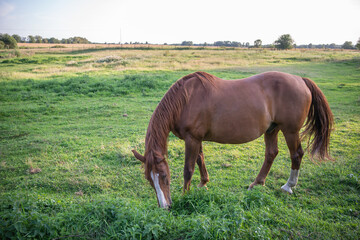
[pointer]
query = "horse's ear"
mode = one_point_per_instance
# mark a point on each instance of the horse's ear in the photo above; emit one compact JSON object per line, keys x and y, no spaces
{"x":138,"y":156}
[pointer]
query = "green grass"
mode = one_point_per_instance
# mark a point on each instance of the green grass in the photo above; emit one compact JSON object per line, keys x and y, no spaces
{"x":71,"y":125}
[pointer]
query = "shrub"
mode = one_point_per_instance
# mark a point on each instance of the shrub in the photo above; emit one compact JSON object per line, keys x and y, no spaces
{"x":58,"y":46}
{"x":17,"y":53}
{"x":9,"y":41}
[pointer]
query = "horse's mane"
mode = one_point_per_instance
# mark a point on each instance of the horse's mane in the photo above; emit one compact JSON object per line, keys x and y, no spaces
{"x":165,"y":116}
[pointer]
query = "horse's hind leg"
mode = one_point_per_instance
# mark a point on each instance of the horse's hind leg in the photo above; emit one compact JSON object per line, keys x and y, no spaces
{"x":296,"y":154}
{"x":203,"y":172}
{"x":270,"y":153}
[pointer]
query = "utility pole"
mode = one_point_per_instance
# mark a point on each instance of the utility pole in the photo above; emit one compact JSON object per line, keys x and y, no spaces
{"x":120,"y":38}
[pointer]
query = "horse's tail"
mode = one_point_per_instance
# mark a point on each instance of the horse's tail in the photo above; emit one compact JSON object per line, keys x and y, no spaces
{"x":319,"y":123}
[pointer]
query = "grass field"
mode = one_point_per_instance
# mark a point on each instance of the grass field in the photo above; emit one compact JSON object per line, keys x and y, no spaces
{"x":69,"y":119}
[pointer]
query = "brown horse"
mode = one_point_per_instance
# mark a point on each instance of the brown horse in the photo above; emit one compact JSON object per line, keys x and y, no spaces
{"x":201,"y":107}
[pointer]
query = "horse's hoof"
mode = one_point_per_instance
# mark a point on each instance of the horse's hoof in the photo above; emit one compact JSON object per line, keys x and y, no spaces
{"x":202,"y":185}
{"x":286,"y":188}
{"x":252,"y":185}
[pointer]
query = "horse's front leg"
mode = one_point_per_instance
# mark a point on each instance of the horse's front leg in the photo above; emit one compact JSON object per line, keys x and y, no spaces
{"x":192,"y":150}
{"x":203,"y":172}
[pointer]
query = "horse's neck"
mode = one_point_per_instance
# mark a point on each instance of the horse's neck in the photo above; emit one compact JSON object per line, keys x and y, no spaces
{"x":156,"y":138}
{"x":163,"y":119}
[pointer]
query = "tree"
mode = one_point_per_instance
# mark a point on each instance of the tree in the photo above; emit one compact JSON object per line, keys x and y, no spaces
{"x":358,"y":44}
{"x":17,"y":38}
{"x":332,"y":45}
{"x":219,"y":43}
{"x":54,"y":40}
{"x":38,"y":39}
{"x":257,"y":43}
{"x":347,"y":45}
{"x":284,"y":42}
{"x":235,"y":44}
{"x":187,"y":43}
{"x":227,"y":44}
{"x":31,"y":39}
{"x":78,"y":40}
{"x":8,"y":41}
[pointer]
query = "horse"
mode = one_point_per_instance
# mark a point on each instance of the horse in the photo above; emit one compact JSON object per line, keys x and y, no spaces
{"x":202,"y":107}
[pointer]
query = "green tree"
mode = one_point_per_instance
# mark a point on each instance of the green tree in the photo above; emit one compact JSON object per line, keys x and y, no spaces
{"x":358,"y":44}
{"x":9,"y":41}
{"x":38,"y":39}
{"x":257,"y":43}
{"x":31,"y":39}
{"x":284,"y":42}
{"x":347,"y":45}
{"x":187,"y":43}
{"x":54,"y":40}
{"x":16,"y":37}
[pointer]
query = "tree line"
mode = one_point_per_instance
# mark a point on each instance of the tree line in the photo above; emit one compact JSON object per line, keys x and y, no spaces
{"x":285,"y":41}
{"x":7,"y":41}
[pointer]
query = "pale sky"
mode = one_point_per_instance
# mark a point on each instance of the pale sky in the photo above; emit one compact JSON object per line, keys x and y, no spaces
{"x":167,"y":21}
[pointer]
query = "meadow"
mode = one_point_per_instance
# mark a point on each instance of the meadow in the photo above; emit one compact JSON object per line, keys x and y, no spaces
{"x":70,"y":117}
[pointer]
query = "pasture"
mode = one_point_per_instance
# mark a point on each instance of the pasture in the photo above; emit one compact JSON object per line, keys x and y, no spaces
{"x":70,"y":117}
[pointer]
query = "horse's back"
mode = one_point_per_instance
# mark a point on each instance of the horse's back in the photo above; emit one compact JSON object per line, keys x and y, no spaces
{"x":238,"y":111}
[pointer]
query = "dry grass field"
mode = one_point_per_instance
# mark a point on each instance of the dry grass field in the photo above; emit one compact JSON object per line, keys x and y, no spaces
{"x":107,"y":58}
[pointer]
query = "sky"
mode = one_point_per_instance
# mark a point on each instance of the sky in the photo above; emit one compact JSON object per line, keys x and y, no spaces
{"x":174,"y":21}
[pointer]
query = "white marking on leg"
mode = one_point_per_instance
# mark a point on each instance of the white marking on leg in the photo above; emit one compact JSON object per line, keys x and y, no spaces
{"x":159,"y":193}
{"x":292,"y":181}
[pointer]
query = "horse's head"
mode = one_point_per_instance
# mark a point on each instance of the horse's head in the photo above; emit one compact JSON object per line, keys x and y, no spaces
{"x":158,"y":174}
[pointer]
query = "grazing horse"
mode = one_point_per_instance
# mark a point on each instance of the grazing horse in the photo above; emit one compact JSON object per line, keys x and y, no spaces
{"x":201,"y":107}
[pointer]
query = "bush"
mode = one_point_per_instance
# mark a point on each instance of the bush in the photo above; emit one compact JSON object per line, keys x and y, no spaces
{"x":58,"y":46}
{"x":9,"y":41}
{"x":17,"y":53}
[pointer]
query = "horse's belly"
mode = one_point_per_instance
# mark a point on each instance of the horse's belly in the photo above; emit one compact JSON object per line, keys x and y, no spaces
{"x":236,"y":132}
